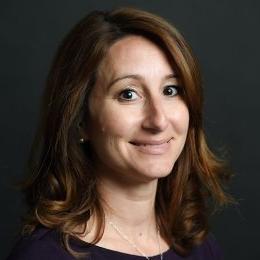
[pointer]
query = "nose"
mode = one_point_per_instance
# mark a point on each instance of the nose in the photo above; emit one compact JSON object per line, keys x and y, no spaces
{"x":155,"y":119}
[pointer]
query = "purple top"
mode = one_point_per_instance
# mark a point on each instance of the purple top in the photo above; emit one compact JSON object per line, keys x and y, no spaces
{"x":45,"y":244}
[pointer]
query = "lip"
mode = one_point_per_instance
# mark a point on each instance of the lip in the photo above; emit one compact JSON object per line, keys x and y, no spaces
{"x":153,"y":147}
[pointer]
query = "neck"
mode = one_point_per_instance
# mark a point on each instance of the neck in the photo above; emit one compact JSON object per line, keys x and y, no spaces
{"x":129,"y":210}
{"x":130,"y":207}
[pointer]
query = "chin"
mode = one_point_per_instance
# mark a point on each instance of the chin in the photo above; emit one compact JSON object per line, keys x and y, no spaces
{"x":156,"y":172}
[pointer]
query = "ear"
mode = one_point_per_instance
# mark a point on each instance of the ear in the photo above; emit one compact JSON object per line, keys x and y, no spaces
{"x":83,"y":133}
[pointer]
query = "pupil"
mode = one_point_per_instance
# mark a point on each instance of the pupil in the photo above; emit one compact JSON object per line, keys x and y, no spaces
{"x":169,"y":91}
{"x":128,"y":94}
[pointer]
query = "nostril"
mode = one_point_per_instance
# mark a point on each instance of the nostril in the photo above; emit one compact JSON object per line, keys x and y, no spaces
{"x":155,"y":118}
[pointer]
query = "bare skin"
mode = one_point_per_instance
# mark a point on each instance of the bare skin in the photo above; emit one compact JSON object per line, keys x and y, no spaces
{"x":138,"y":127}
{"x":133,"y":213}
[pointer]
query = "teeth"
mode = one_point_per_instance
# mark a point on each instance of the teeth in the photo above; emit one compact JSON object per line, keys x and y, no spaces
{"x":146,"y":144}
{"x":134,"y":143}
{"x":138,"y":144}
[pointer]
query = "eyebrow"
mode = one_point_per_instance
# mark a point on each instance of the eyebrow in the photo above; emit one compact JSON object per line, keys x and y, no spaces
{"x":137,"y":77}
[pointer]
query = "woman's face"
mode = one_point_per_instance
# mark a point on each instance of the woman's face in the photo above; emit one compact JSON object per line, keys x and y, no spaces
{"x":138,"y":120}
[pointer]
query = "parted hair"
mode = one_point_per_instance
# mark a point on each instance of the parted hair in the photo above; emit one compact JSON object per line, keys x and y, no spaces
{"x":61,"y":189}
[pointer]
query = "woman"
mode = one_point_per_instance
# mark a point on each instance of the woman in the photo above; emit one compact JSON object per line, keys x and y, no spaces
{"x":121,"y":168}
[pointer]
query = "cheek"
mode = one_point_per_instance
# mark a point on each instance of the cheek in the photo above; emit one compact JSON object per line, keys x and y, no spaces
{"x":180,"y":119}
{"x":115,"y":122}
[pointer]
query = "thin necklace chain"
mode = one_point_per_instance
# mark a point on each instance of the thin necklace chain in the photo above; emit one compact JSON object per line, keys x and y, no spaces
{"x":125,"y":237}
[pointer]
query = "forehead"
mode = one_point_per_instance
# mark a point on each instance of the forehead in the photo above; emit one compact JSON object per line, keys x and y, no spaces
{"x":135,"y":54}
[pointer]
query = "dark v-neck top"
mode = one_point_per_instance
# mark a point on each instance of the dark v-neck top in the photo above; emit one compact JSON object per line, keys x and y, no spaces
{"x":44,"y":244}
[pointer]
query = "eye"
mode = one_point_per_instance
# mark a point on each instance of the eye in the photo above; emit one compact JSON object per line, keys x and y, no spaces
{"x":128,"y":95}
{"x":171,"y":90}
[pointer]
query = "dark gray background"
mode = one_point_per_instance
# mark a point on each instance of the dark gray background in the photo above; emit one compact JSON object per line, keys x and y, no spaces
{"x":225,"y":37}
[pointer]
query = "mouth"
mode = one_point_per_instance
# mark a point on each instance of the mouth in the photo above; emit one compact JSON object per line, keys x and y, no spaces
{"x":150,"y":142}
{"x":152,"y":147}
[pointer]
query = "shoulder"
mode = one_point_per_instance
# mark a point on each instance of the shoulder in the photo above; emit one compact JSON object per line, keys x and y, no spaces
{"x":42,"y":244}
{"x":209,"y":249}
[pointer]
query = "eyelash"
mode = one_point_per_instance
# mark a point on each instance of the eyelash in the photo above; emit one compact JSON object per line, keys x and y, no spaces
{"x":125,"y":91}
{"x":177,"y":89}
{"x":177,"y":92}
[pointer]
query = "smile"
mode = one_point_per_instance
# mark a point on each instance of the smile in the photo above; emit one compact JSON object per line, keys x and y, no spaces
{"x":152,"y":147}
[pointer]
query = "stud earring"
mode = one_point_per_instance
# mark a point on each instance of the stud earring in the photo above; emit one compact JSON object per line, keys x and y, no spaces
{"x":81,"y":140}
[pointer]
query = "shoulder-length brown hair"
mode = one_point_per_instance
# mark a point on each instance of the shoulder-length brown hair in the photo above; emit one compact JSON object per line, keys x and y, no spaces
{"x":61,"y":190}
